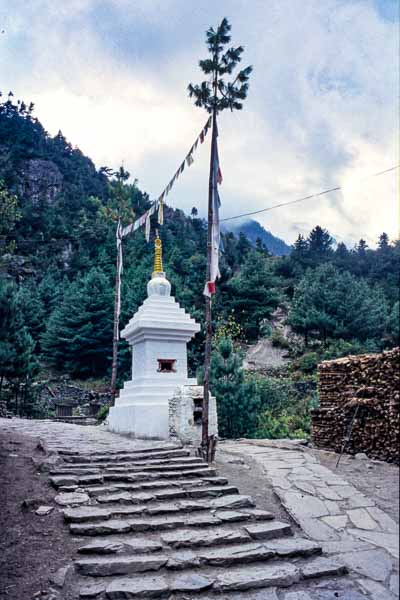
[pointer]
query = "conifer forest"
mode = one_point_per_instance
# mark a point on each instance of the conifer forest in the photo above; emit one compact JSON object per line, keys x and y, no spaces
{"x":58,"y":254}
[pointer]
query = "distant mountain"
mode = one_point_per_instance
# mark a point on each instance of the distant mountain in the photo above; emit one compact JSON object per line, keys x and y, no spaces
{"x":253,"y":230}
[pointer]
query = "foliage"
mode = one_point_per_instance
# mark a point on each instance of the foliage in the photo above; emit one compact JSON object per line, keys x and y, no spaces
{"x":328,"y":303}
{"x":77,"y":338}
{"x":102,"y":414}
{"x":341,"y":300}
{"x":308,"y":362}
{"x":278,"y":339}
{"x":216,"y":92}
{"x":228,"y":328}
{"x":237,"y":398}
{"x":9,"y":215}
{"x":18,"y":365}
{"x":285,"y":407}
{"x":254,"y":292}
{"x":393,"y":324}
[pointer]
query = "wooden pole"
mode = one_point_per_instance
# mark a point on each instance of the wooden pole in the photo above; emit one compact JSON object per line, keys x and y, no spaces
{"x":117,"y":302}
{"x":207,"y":445}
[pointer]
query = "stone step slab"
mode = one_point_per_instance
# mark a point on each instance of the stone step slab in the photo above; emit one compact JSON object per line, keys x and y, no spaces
{"x":144,"y":450}
{"x":242,"y":579}
{"x":140,"y":525}
{"x":132,"y":476}
{"x":187,"y":538}
{"x":123,"y":465}
{"x":276,"y":575}
{"x":227,"y":556}
{"x":323,"y":567}
{"x":94,"y":491}
{"x":111,"y":511}
{"x":159,"y":467}
{"x":167,"y":495}
{"x":121,"y":457}
{"x":126,"y":544}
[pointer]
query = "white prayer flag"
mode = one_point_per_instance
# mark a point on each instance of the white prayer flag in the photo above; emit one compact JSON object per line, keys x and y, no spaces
{"x":216,"y":175}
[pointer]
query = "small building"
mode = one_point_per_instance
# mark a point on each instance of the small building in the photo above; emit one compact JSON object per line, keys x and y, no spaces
{"x":160,"y":401}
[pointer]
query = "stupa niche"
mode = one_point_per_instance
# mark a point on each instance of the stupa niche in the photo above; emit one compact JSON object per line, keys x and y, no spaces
{"x":158,"y":334}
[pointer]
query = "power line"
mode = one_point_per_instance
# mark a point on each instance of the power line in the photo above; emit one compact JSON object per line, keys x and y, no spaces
{"x":248,"y":214}
{"x":335,"y":189}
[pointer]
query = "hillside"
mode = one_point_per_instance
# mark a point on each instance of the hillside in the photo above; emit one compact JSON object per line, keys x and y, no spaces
{"x":254,"y":231}
{"x":57,"y":269}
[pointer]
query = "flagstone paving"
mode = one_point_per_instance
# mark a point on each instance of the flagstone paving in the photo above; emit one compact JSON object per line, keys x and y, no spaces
{"x":330,"y":511}
{"x":155,"y":522}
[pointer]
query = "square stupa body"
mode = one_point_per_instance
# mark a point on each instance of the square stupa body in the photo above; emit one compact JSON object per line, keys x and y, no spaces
{"x":158,"y":334}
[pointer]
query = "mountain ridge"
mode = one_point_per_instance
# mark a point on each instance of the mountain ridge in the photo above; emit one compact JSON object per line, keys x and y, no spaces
{"x":253,"y":230}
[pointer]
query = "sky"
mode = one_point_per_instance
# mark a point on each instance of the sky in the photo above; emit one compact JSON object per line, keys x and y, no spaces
{"x":322,"y":109}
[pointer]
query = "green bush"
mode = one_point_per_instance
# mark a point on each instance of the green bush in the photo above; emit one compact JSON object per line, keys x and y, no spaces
{"x":308,"y":362}
{"x":285,"y":407}
{"x":103,"y":413}
{"x":273,"y":427}
{"x":278,"y":339}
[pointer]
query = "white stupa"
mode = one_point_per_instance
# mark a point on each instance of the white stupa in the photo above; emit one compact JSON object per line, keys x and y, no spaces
{"x":158,"y":334}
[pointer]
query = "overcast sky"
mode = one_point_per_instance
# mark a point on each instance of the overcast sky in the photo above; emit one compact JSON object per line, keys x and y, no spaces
{"x":322,"y":109}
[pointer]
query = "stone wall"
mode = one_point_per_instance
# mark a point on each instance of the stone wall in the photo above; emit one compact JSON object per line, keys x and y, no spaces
{"x":368,"y":384}
{"x":83,"y":402}
{"x":185,"y":410}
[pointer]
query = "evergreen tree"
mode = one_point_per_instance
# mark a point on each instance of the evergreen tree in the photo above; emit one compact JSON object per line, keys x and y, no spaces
{"x":17,"y":362}
{"x":319,"y":243}
{"x":362,"y":248}
{"x":237,"y":399}
{"x":9,"y":215}
{"x":331,"y":304}
{"x":253,"y":293}
{"x":393,"y":324}
{"x":78,"y":334}
{"x":300,"y":248}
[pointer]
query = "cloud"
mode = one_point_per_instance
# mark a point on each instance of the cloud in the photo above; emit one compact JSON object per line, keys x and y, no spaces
{"x":321,"y":111}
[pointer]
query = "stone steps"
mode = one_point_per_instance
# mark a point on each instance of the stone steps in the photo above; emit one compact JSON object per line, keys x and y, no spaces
{"x":120,"y":465}
{"x":167,"y":494}
{"x":184,"y":484}
{"x":225,"y":556}
{"x":102,"y":512}
{"x":144,"y":450}
{"x":187,"y":534}
{"x":162,"y":522}
{"x":162,"y":473}
{"x":124,"y":457}
{"x":131,"y":476}
{"x":214,"y":581}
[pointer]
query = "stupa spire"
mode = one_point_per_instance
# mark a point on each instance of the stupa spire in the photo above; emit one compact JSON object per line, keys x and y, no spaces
{"x":158,"y":266}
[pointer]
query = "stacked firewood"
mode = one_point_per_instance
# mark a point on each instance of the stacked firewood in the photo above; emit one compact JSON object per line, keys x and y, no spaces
{"x":360,"y":393}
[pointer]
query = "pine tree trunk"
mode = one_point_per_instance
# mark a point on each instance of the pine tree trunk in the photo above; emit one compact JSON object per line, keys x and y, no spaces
{"x":116,"y":331}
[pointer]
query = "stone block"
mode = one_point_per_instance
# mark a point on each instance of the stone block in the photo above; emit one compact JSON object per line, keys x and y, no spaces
{"x":140,"y":587}
{"x":320,"y":567}
{"x":374,"y":564}
{"x":361,"y":519}
{"x":255,"y":577}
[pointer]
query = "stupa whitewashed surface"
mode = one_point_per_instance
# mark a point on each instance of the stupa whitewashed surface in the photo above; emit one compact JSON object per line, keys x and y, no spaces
{"x":158,"y":334}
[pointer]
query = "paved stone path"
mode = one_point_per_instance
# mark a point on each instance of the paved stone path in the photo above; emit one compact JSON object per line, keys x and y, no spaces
{"x":156,"y":522}
{"x":332,"y":512}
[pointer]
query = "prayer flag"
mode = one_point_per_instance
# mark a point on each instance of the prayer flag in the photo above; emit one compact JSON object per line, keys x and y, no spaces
{"x":209,"y":288}
{"x":148,"y":225}
{"x":161,"y":213}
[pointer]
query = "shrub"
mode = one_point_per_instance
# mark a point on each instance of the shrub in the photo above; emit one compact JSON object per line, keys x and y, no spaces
{"x":279,"y":340}
{"x":308,"y":362}
{"x":103,"y":413}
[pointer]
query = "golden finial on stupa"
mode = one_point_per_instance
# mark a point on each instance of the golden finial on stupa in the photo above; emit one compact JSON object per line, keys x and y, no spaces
{"x":158,"y":266}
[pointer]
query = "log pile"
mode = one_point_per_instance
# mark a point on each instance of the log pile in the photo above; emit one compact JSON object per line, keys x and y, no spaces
{"x":370,"y":382}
